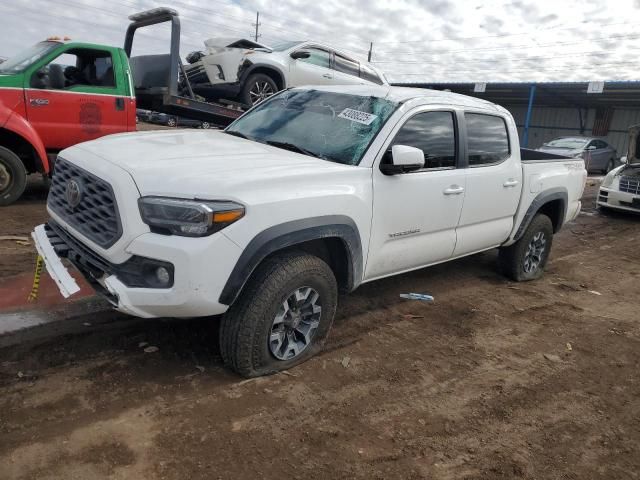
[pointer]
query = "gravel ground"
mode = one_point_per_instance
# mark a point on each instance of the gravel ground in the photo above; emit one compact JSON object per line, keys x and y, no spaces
{"x":495,"y":380}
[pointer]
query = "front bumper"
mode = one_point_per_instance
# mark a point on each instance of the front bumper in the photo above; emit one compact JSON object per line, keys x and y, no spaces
{"x":200,"y":269}
{"x":610,"y":198}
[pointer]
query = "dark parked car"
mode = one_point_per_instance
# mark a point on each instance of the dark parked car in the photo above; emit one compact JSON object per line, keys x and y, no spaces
{"x":598,"y":155}
{"x":143,"y":115}
{"x":173,"y":121}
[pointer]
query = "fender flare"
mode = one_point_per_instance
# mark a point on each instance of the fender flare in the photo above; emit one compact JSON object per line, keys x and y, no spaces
{"x":292,"y":233}
{"x":559,"y":193}
{"x":244,"y":74}
{"x":18,"y":125}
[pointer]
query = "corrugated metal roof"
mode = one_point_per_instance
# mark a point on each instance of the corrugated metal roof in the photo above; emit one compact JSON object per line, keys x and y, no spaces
{"x":556,"y":94}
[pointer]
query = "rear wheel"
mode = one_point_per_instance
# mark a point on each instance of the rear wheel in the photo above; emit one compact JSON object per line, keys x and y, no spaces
{"x":205,"y":125}
{"x":13,"y":177}
{"x":609,"y":167}
{"x":282,"y":316}
{"x":525,"y":260}
{"x":257,"y":88}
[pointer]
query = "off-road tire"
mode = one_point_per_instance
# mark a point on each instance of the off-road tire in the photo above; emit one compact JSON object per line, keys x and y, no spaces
{"x":511,"y":259}
{"x":245,"y":96}
{"x":246,"y":327}
{"x":17,"y":177}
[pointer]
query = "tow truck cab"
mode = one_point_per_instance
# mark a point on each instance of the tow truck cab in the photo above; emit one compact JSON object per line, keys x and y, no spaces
{"x":53,"y":95}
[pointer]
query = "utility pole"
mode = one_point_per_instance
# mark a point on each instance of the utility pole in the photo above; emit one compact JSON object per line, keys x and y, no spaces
{"x":257,"y":24}
{"x":370,"y":51}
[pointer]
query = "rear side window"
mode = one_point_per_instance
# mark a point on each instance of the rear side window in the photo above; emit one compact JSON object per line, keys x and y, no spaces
{"x":487,"y":139}
{"x":347,"y":66}
{"x":369,"y":74}
{"x":433,"y":133}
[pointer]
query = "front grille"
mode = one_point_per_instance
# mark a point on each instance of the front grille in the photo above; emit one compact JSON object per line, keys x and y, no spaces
{"x":96,"y":215}
{"x":630,"y":185}
{"x":197,"y":74}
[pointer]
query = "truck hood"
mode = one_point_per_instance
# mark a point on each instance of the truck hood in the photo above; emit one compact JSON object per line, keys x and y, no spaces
{"x":202,"y":164}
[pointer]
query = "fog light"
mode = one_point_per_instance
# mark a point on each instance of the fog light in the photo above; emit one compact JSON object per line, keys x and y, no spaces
{"x":163,"y":276}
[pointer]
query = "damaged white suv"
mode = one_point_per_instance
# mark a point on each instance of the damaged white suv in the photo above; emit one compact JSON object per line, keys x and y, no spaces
{"x":313,"y":191}
{"x":250,"y":72}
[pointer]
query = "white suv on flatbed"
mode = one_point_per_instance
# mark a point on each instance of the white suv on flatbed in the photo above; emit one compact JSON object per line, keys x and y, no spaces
{"x":313,"y":191}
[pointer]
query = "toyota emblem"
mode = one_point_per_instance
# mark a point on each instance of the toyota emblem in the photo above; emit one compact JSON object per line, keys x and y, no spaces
{"x":73,"y":193}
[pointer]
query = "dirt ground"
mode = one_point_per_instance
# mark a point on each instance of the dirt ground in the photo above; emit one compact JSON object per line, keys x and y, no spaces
{"x":495,"y":380}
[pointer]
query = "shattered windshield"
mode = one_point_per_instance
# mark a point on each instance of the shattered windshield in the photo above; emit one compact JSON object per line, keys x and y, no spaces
{"x":572,"y":143}
{"x":333,"y":126}
{"x":26,"y":57}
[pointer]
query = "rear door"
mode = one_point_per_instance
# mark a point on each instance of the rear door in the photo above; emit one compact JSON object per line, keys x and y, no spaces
{"x":81,"y":98}
{"x":493,"y":183}
{"x":315,"y":70}
{"x":415,"y":214}
{"x":346,"y":71}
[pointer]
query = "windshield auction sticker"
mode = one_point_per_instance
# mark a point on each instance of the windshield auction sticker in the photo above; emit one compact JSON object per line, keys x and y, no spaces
{"x":357,"y":116}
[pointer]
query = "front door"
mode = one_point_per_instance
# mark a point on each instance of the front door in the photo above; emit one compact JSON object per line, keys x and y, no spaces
{"x":76,"y":97}
{"x":314,"y":70}
{"x":415,"y":214}
{"x":493,"y":183}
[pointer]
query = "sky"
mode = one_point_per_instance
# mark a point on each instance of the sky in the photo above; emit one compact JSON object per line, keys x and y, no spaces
{"x":413,"y":40}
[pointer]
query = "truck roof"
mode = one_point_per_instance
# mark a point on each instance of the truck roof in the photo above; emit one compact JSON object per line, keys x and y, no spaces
{"x":404,"y":94}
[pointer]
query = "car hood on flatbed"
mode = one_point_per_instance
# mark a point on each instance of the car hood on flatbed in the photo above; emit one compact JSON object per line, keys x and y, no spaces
{"x":202,"y":164}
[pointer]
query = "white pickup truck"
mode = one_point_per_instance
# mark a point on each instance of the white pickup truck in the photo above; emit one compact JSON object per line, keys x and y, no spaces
{"x":313,"y":191}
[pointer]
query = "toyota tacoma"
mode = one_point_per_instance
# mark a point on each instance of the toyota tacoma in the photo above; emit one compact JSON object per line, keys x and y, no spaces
{"x":314,"y":191}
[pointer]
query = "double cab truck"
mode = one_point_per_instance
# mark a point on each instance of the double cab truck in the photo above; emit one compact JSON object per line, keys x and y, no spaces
{"x":314,"y":191}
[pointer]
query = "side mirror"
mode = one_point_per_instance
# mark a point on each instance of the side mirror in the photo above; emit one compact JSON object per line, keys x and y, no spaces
{"x":623,"y":160}
{"x":297,"y":55}
{"x":592,"y":147}
{"x":403,"y":159}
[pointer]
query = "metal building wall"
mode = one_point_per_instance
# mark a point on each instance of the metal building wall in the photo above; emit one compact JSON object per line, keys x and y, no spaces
{"x":548,"y":123}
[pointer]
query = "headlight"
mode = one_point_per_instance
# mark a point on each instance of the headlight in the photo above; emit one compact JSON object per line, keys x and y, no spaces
{"x":188,"y":218}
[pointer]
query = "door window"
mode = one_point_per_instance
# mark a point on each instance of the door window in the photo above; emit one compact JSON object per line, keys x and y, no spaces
{"x":487,"y":139}
{"x":76,"y":67}
{"x":345,"y":65}
{"x":432,"y":132}
{"x":318,"y":57}
{"x":600,"y":144}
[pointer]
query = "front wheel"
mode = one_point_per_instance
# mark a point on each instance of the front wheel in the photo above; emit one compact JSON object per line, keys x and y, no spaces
{"x":525,"y":260}
{"x":13,"y":177}
{"x":282,"y":316}
{"x":257,"y":88}
{"x":172,"y":122}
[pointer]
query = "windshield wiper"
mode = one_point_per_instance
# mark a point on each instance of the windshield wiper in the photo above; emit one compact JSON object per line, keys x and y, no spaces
{"x":293,"y":148}
{"x":235,"y":134}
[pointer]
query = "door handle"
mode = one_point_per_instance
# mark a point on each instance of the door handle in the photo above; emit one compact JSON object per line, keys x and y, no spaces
{"x":453,"y":190}
{"x":327,"y":75}
{"x":39,"y":102}
{"x":510,"y":183}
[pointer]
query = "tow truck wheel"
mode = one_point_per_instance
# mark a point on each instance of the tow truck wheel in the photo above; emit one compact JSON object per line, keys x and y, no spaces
{"x":282,"y":317}
{"x":525,"y":260}
{"x":257,"y":88}
{"x":13,"y":177}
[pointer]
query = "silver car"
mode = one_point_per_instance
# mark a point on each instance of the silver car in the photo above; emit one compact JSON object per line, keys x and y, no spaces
{"x":598,"y":155}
